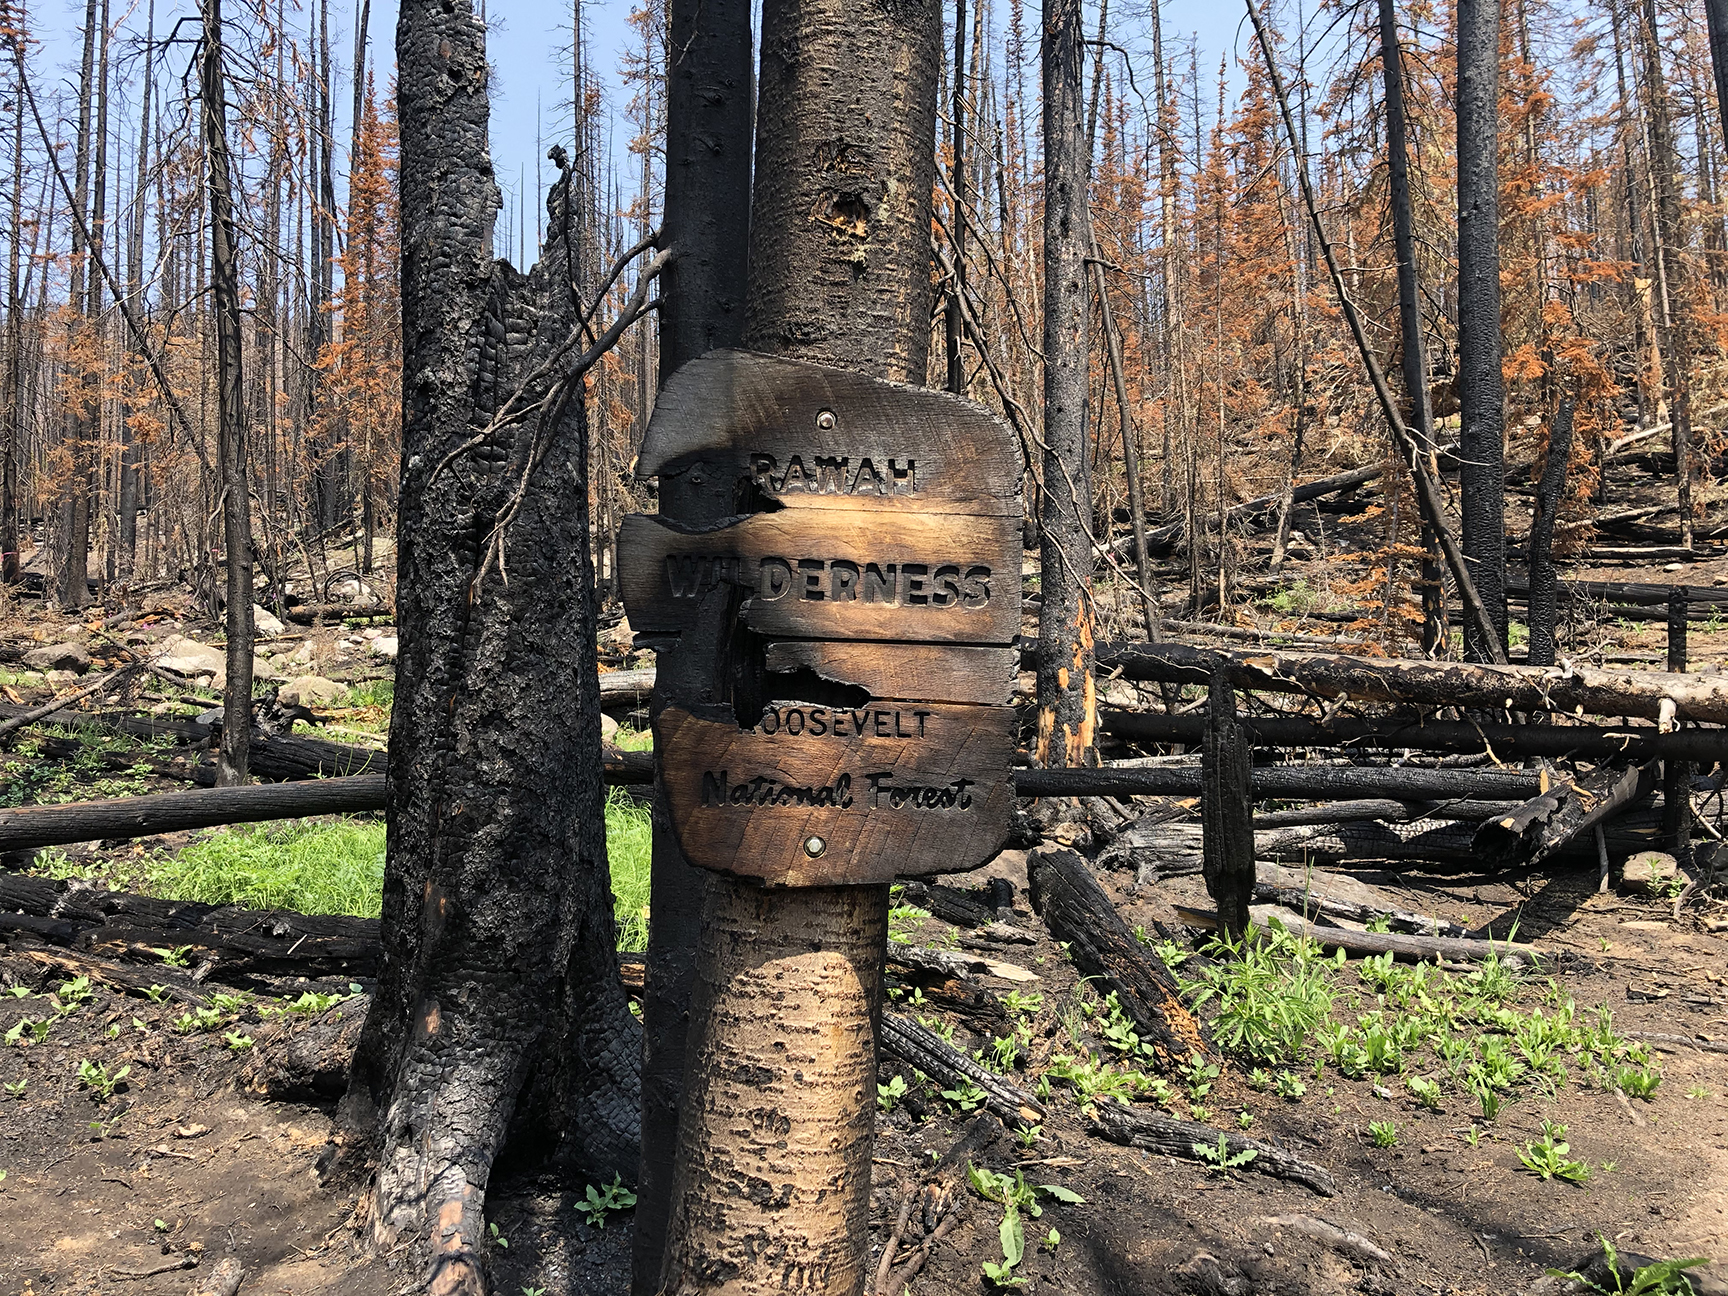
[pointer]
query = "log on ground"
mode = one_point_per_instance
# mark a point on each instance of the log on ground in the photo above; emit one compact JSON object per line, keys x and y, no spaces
{"x":1179,"y":1138}
{"x":1547,"y":689}
{"x":1452,"y":949}
{"x":919,"y":1047}
{"x":1547,"y":822}
{"x":1075,"y":909}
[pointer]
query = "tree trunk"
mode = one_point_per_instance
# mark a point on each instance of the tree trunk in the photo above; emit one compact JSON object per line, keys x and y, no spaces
{"x":709,"y":104}
{"x":780,"y":1085}
{"x":1544,"y":580}
{"x":131,"y":451}
{"x":1410,"y":310}
{"x":1481,"y":388}
{"x":230,"y":417}
{"x":957,"y":192}
{"x":1067,"y":689}
{"x":1674,"y":325}
{"x":496,"y":871}
{"x":81,"y":386}
{"x":11,"y":568}
{"x":1716,"y":17}
{"x":1227,"y":808}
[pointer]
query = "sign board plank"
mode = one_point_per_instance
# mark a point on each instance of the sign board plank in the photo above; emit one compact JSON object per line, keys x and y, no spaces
{"x":823,"y":574}
{"x":877,"y":787}
{"x":902,"y":671}
{"x":874,"y":564}
{"x":802,"y":436}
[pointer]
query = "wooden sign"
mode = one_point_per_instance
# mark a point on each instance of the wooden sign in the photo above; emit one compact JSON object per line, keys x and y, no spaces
{"x":871,"y":584}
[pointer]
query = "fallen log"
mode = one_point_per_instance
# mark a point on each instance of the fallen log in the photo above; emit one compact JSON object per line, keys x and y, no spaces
{"x":1335,"y":812}
{"x":1286,"y":782}
{"x":282,"y":758}
{"x":926,"y":1051}
{"x":1635,"y":592}
{"x":1076,"y":910}
{"x":1572,"y":688}
{"x":1156,"y":1132}
{"x":626,"y":688}
{"x":1310,"y":905}
{"x":319,"y":613}
{"x":1442,"y":846}
{"x":123,"y":817}
{"x":133,"y":726}
{"x":1556,"y":741}
{"x":1547,"y":822}
{"x":1451,"y":949}
{"x":1161,"y":539}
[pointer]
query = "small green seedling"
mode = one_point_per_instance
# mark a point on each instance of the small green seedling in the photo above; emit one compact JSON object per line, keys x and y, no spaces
{"x":602,"y":1202}
{"x":17,"y":1087}
{"x":968,"y":1097}
{"x":498,"y":1239}
{"x":1384,"y":1133}
{"x":172,"y":957}
{"x":1637,"y":1081}
{"x":1426,"y":1092}
{"x":1052,"y":1240}
{"x":160,"y":1225}
{"x":1289,"y":1087}
{"x":18,"y":992}
{"x":1548,"y":1158}
{"x":236,"y":1041}
{"x":1220,"y":1159}
{"x":97,"y":1080}
{"x":1473,"y":1137}
{"x":889,"y":1095}
{"x":1244,"y":1119}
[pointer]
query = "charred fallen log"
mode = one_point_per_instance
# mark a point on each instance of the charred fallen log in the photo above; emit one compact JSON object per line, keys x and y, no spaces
{"x":1156,"y":1132}
{"x":1547,"y":822}
{"x":1392,"y":733}
{"x":923,"y":1049}
{"x":1572,"y":688}
{"x":1456,"y":949}
{"x":1287,"y":782}
{"x":1076,"y":910}
{"x":1441,"y":846}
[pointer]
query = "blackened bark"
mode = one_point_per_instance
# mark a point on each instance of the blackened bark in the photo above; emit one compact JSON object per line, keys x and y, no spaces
{"x":1410,"y":309}
{"x":1544,"y":580}
{"x":72,"y":590}
{"x":709,"y":106}
{"x":131,"y":452}
{"x":231,"y":428}
{"x":1227,"y":808}
{"x":1067,"y":696}
{"x":1674,"y":327}
{"x":499,"y":1021}
{"x":11,"y":570}
{"x":957,"y":190}
{"x":1481,"y":387}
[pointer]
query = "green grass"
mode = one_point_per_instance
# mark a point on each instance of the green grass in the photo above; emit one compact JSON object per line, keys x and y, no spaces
{"x":337,"y":867}
{"x":312,"y":866}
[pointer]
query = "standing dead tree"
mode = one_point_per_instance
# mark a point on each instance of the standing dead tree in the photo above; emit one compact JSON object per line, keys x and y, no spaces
{"x":497,"y":873}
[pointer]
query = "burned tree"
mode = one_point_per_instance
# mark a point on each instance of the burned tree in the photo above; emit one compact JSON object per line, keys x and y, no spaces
{"x":499,"y":1023}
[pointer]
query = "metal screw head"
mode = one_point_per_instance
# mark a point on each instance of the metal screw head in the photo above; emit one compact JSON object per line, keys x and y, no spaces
{"x":814,"y":846}
{"x":825,"y":420}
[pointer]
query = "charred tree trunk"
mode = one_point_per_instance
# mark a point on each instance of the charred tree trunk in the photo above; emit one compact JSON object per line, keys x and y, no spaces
{"x":1544,"y":581}
{"x":1481,"y":388}
{"x":131,"y":451}
{"x":230,"y":418}
{"x":957,"y":189}
{"x":1067,"y":689}
{"x":496,"y":870}
{"x":71,"y":589}
{"x":1716,"y":17}
{"x":1227,"y":809}
{"x":779,"y":1085}
{"x":1410,"y":311}
{"x":709,"y":102}
{"x":1674,"y":326}
{"x":11,"y":409}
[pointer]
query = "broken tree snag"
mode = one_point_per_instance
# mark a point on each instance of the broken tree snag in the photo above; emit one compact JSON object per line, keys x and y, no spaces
{"x":928,"y":1052}
{"x":1176,"y":1138}
{"x":1067,"y":684}
{"x":1677,"y":627}
{"x":1075,"y":909}
{"x":1547,"y":822}
{"x":121,"y":817}
{"x":1227,"y":809}
{"x":1579,"y":689}
{"x":1288,"y":782}
{"x":1544,"y":581}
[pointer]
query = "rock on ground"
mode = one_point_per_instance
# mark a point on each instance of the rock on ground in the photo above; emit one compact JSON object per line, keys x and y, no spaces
{"x":309,"y":690}
{"x":58,"y":657}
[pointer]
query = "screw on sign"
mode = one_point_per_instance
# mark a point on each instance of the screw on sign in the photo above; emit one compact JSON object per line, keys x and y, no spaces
{"x":836,"y":656}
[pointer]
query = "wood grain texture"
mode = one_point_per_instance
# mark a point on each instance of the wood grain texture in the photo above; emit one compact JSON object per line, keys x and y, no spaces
{"x":942,"y":578}
{"x":903,"y":789}
{"x":931,"y":672}
{"x":747,"y":417}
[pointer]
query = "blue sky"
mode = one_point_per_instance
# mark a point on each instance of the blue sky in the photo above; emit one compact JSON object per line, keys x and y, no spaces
{"x":529,"y":48}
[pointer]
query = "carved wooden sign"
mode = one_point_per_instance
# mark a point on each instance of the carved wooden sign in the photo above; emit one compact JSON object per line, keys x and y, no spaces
{"x":853,"y":619}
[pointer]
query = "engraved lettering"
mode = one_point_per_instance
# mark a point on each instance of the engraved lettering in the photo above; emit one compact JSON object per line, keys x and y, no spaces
{"x":843,"y":577}
{"x":975,"y":591}
{"x":947,"y":591}
{"x":774,"y":579}
{"x":905,"y":480}
{"x":882,"y":583}
{"x":868,"y":481}
{"x":886,"y":794}
{"x":828,"y":474}
{"x":831,"y":474}
{"x":915,"y":584}
{"x":814,"y":569}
